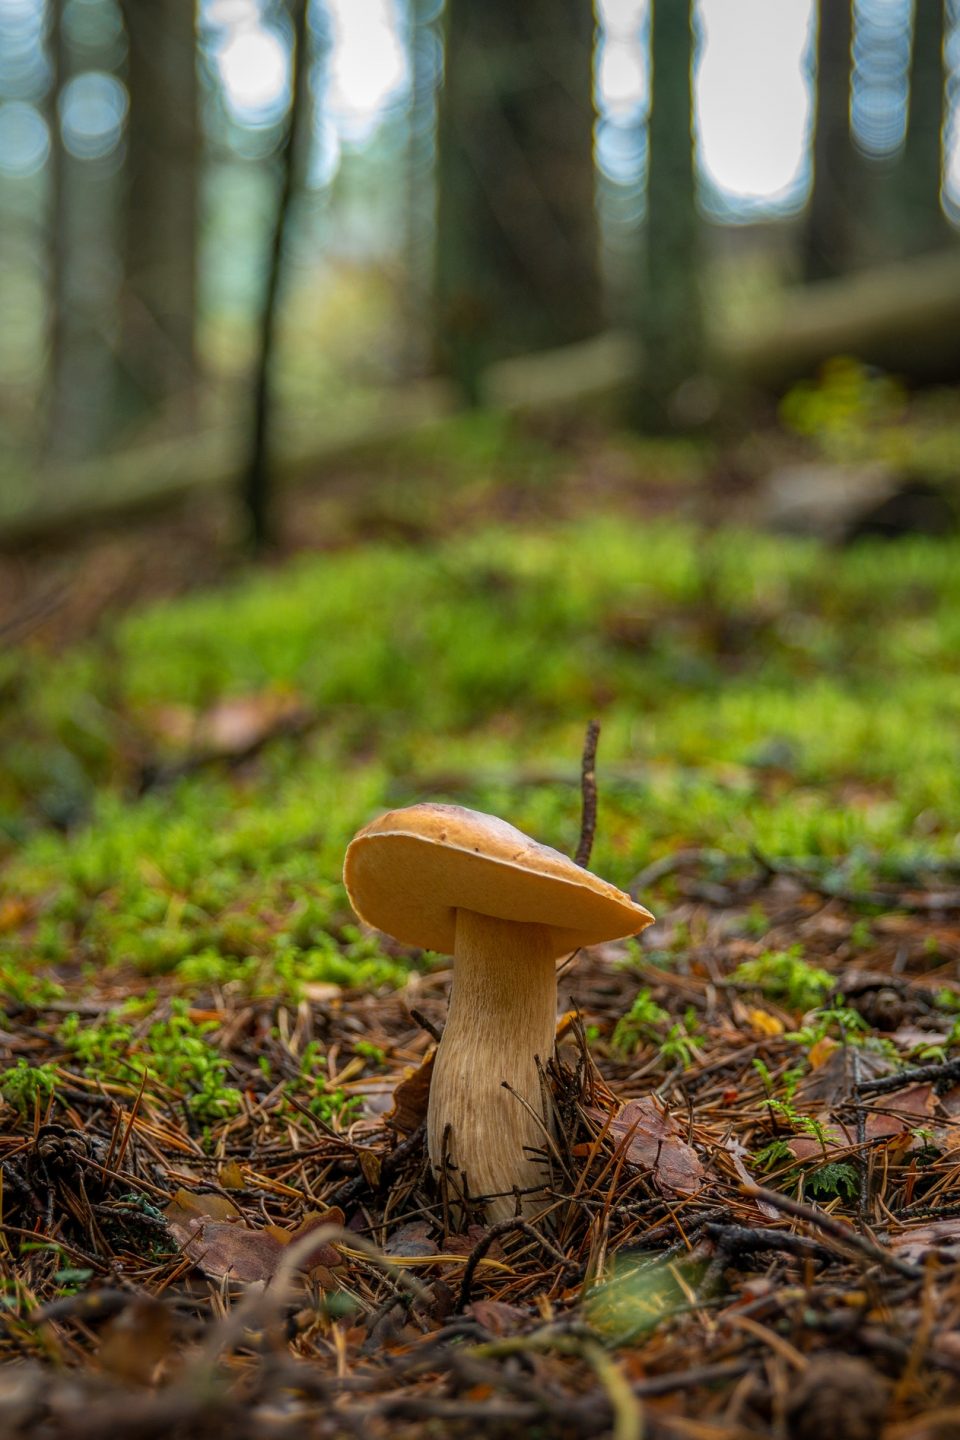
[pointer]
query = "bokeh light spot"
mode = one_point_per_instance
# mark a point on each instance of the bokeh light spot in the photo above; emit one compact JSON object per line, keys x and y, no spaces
{"x":93,"y":108}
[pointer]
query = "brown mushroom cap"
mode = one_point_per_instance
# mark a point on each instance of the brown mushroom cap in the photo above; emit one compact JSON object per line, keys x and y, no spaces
{"x":409,"y":871}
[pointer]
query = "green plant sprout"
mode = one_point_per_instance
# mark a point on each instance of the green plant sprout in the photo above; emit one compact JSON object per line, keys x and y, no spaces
{"x":784,"y":976}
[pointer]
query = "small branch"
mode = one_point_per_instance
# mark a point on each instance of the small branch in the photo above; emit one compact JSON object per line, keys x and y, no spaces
{"x":588,"y":790}
{"x":503,"y":1227}
{"x":838,"y":1230}
{"x":916,"y":1075}
{"x":434,"y":1031}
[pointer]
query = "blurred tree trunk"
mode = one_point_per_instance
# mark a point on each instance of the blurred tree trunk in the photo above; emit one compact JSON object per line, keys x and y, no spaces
{"x":922,"y":221}
{"x":829,"y":243}
{"x":425,"y":49}
{"x":81,"y":375}
{"x":256,"y":491}
{"x":671,"y":319}
{"x":517,"y":265}
{"x":161,"y":210}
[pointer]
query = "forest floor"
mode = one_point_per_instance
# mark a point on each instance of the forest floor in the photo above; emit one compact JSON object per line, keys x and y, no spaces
{"x":217,"y":1214}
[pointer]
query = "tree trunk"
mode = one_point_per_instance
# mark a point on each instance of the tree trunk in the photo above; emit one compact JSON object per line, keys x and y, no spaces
{"x":922,"y":221}
{"x":517,"y":264}
{"x":425,"y":50}
{"x":161,"y":211}
{"x":830,"y":235}
{"x":81,"y":373}
{"x":257,"y":487}
{"x":671,"y":320}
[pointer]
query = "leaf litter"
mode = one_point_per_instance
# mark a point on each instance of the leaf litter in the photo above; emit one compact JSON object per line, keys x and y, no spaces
{"x":285,"y":1271}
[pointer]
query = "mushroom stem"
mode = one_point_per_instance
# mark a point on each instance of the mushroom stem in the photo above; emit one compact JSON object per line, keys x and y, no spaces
{"x":503,"y":1014}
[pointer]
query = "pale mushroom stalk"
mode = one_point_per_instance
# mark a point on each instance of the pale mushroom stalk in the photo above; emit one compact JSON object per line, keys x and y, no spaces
{"x":502,"y":1016}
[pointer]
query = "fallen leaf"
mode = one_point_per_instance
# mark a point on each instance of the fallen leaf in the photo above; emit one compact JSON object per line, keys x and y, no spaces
{"x":232,"y":726}
{"x":189,"y":1206}
{"x":135,"y":1342}
{"x":839,"y":1074}
{"x":234,"y":1252}
{"x":820,"y":1052}
{"x":902,"y":1111}
{"x":941,"y":1238}
{"x":231,"y":1176}
{"x":410,"y":1098}
{"x":465,"y":1244}
{"x":761,"y":1022}
{"x":497,"y":1317}
{"x":650,"y":1138}
{"x":213,"y":1235}
{"x":412,"y":1239}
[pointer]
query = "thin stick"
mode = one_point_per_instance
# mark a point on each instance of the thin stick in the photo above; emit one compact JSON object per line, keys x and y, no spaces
{"x":502,"y":1227}
{"x":588,"y":790}
{"x":838,"y":1229}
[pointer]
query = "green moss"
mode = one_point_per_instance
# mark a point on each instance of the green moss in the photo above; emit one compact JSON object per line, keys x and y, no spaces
{"x":783,"y":975}
{"x":754,"y":693}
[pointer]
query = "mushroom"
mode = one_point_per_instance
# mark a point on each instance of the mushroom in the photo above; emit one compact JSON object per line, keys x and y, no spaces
{"x":470,"y":885}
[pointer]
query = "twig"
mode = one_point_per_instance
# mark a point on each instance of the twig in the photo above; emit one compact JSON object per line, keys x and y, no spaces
{"x":627,"y":1414}
{"x":503,"y":1227}
{"x":668,"y":865}
{"x":916,"y":1075}
{"x":838,"y":1229}
{"x":434,"y":1031}
{"x":588,"y":791}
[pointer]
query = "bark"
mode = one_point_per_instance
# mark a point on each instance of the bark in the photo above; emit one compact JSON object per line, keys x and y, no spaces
{"x":830,"y":234}
{"x":161,"y":210}
{"x":517,"y":254}
{"x":257,"y":484}
{"x":671,"y":321}
{"x":425,"y":51}
{"x":922,"y":221}
{"x":81,"y":371}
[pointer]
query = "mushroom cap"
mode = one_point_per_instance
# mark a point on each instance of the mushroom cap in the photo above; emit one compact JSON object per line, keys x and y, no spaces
{"x":409,"y":871}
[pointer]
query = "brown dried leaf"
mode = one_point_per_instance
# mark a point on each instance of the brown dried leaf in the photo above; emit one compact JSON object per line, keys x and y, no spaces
{"x":137,"y":1340}
{"x":412,"y":1239}
{"x":838,"y":1075}
{"x":188,"y":1207}
{"x":902,"y":1111}
{"x":212,"y":1234}
{"x":232,"y":726}
{"x":942,"y":1237}
{"x":497,"y":1317}
{"x":650,"y":1138}
{"x":464,"y":1244}
{"x":234,"y":1252}
{"x":410,"y":1098}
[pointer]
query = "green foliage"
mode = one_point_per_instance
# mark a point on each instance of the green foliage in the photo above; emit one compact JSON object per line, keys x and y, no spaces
{"x":174,"y":1052}
{"x":842,"y":408}
{"x":839,"y":1021}
{"x":852,"y":413}
{"x":646,"y":1022}
{"x":642,"y":1021}
{"x":331,"y":1106}
{"x":770,"y":1156}
{"x":837,"y":1179}
{"x":463,"y":670}
{"x":782,"y":1107}
{"x":27,"y":1086}
{"x":784,"y":976}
